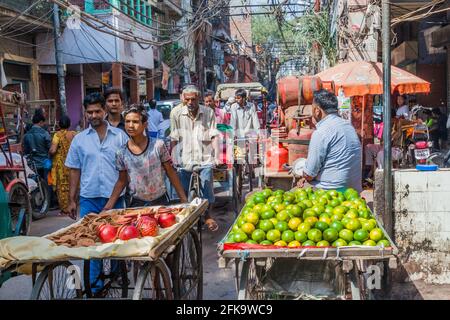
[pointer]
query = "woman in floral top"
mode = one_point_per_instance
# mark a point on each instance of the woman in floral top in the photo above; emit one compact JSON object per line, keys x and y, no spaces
{"x":142,"y":163}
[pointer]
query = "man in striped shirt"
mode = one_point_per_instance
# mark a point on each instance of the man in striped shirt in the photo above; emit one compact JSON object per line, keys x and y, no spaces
{"x":334,"y":154}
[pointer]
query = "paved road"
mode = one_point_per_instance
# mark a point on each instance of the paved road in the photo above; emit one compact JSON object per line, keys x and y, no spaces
{"x":218,"y":283}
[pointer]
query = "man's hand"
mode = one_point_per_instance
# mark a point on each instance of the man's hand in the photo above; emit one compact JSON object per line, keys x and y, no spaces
{"x":301,"y":182}
{"x":72,"y":210}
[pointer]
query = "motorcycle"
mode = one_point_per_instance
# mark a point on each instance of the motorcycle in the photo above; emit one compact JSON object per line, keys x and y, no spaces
{"x":417,"y":141}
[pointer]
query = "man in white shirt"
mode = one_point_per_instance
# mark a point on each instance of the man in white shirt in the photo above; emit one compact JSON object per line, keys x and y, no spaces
{"x":403,"y":109}
{"x":154,"y":119}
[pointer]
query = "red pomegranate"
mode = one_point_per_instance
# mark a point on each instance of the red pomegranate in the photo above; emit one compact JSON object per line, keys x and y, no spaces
{"x":166,"y":220}
{"x":127,"y":232}
{"x":107,"y":233}
{"x":148,"y":226}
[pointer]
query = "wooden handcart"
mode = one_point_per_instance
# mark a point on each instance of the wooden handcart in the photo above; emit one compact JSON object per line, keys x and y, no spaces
{"x":172,"y":270}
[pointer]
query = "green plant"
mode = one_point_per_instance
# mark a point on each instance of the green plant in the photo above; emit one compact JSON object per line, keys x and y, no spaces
{"x":314,"y":28}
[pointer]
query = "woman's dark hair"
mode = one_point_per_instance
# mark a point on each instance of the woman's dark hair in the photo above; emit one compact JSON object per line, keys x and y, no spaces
{"x":113,"y":90}
{"x":64,"y":122}
{"x":139,"y":109}
{"x":38,"y":117}
{"x":326,"y":100}
{"x":241,"y":93}
{"x":94,"y":98}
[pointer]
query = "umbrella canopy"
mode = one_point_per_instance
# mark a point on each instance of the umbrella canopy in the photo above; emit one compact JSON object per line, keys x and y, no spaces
{"x":363,"y":77}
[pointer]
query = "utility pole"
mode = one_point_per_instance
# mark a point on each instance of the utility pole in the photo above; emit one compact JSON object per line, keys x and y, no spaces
{"x":58,"y":60}
{"x":387,"y":172}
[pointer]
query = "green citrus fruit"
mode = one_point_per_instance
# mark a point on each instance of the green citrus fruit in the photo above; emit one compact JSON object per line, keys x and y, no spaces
{"x":323,"y":243}
{"x":345,"y":220}
{"x":340,"y":210}
{"x":352,"y":214}
{"x":240,"y":237}
{"x":315,"y":235}
{"x":265,"y":225}
{"x":354,"y":243}
{"x":311,"y":220}
{"x":322,"y":226}
{"x":279,"y":207}
{"x":360,"y":235}
{"x":259,"y":199}
{"x":258,"y":235}
{"x":353,"y":225}
{"x":339,"y":243}
{"x":251,"y":242}
{"x":337,"y":217}
{"x":280,"y":243}
{"x":230,"y":238}
{"x":346,"y":235}
{"x":301,"y":236}
{"x":248,"y":228}
{"x":267,"y":214}
{"x":309,"y":213}
{"x":383,"y":243}
{"x":304,"y":227}
{"x":288,"y":236}
{"x":282,"y":215}
{"x":334,"y":203}
{"x":308,"y":203}
{"x":329,"y":210}
{"x":281,"y":226}
{"x":252,"y":217}
{"x":327,"y":220}
{"x":318,"y":209}
{"x":294,"y":223}
{"x":330,"y":235}
{"x":273,"y":235}
{"x":376,"y":234}
{"x":369,"y":243}
{"x":294,"y":243}
{"x":337,"y":225}
{"x":266,"y":243}
{"x":309,"y":243}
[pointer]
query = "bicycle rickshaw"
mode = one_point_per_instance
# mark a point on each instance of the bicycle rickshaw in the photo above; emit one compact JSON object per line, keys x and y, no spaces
{"x":12,"y":164}
{"x":239,"y":163}
{"x":170,"y":269}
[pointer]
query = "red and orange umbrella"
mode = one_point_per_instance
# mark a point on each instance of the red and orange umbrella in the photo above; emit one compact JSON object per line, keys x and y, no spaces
{"x":363,"y":77}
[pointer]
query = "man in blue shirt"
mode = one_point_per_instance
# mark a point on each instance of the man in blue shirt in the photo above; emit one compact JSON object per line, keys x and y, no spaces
{"x":334,"y":154}
{"x":91,"y":160}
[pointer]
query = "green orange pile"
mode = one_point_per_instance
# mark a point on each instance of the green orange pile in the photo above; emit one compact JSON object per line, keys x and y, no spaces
{"x":303,"y":217}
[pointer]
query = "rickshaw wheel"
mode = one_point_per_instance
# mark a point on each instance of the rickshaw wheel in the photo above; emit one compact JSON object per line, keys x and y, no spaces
{"x":115,"y":285}
{"x":187,"y":269}
{"x":19,"y":199}
{"x":58,"y":281}
{"x":153,"y":282}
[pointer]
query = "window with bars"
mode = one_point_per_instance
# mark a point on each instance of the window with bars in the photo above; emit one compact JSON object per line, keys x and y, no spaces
{"x":138,"y":10}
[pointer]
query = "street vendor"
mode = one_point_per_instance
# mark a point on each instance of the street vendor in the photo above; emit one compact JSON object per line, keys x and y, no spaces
{"x":91,"y":160}
{"x":334,"y":154}
{"x":142,"y":163}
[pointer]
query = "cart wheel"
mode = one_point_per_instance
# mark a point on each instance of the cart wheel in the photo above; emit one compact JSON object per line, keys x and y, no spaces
{"x":187,"y":270}
{"x":249,"y":285}
{"x":19,"y":199}
{"x":114,"y":286}
{"x":57,"y":281}
{"x":153,"y":282}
